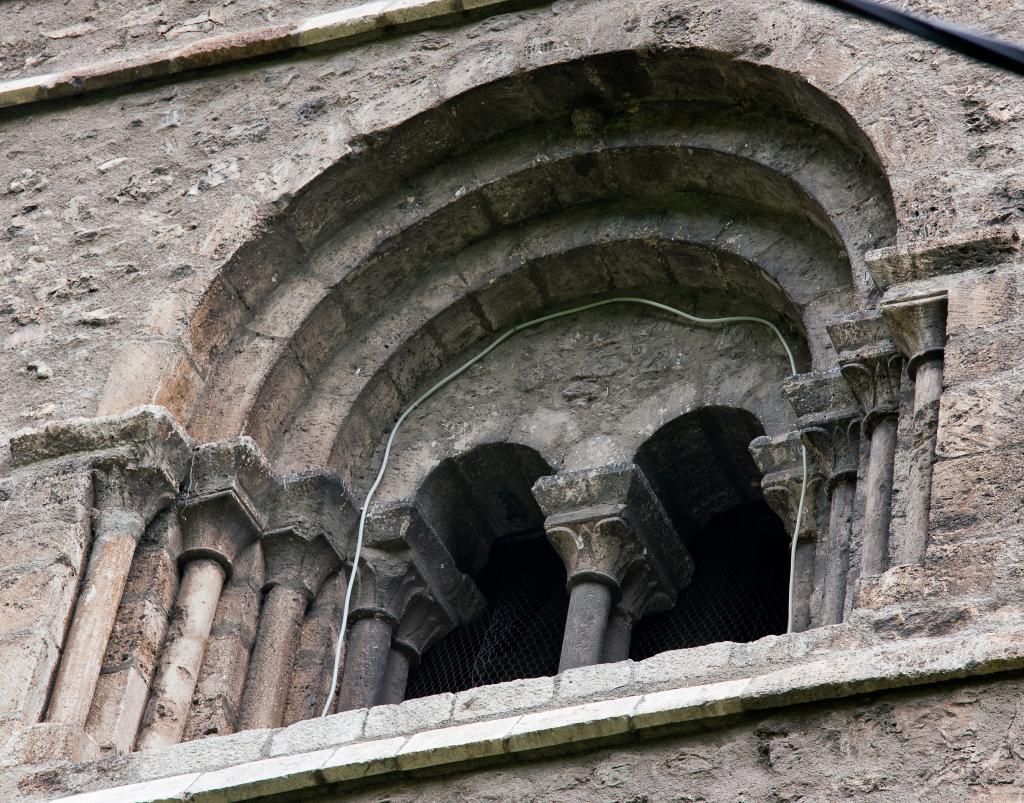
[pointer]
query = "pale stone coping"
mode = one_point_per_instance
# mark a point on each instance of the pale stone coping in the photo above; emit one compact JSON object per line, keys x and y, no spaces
{"x":842,"y":673}
{"x":330,"y":29}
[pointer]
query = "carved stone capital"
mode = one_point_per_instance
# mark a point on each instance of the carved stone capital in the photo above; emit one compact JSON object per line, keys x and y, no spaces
{"x":607,"y":523}
{"x":311,"y":521}
{"x":870,"y":363}
{"x":918,"y":327}
{"x":404,"y":565}
{"x":874,"y":378}
{"x":228,"y":487}
{"x":425,"y":622}
{"x":780,"y":460}
{"x":643,"y":594}
{"x":829,"y":420}
{"x":835,"y":446}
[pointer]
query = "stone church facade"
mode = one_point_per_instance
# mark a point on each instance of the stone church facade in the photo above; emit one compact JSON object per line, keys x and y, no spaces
{"x":241,"y":239}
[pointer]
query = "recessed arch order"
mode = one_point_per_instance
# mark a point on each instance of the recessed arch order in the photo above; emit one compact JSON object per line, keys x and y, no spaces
{"x":679,"y":174}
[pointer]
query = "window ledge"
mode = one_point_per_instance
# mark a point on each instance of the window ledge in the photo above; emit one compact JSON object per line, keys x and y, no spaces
{"x":435,"y":733}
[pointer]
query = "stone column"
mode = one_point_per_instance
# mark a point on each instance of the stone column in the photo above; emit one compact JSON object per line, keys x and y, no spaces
{"x":311,"y":521}
{"x":221,"y":515}
{"x":606,"y":524}
{"x":424,"y":623}
{"x":918,"y":327}
{"x":835,"y":445}
{"x":830,"y":429}
{"x":641,"y":594}
{"x":780,"y":461}
{"x":408,"y":591}
{"x":134,"y":647}
{"x":310,"y":680}
{"x":134,"y":477}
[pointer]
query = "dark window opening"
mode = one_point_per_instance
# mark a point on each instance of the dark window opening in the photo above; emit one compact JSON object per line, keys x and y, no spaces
{"x":519,"y":634}
{"x":739,"y":588}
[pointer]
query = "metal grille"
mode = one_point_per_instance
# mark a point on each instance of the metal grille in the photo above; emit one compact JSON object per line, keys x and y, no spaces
{"x":739,"y":588}
{"x":519,"y":634}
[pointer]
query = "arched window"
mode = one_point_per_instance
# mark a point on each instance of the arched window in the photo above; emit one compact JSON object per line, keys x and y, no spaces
{"x":519,"y":634}
{"x":701,"y":469}
{"x":480,"y":503}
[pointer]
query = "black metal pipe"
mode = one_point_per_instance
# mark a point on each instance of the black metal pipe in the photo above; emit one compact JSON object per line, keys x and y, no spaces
{"x":978,"y":46}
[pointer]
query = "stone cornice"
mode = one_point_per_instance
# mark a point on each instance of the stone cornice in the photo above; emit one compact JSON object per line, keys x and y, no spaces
{"x":335,"y":29}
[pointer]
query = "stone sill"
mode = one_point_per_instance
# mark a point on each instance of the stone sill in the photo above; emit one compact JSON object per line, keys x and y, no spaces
{"x":349,"y":748}
{"x":348,"y":26}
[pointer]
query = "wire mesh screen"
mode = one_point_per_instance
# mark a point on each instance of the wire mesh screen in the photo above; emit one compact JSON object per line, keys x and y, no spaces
{"x":739,"y":588}
{"x":519,"y":634}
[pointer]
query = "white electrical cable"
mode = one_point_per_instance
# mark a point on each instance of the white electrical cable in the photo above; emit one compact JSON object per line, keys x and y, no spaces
{"x":466,"y":365}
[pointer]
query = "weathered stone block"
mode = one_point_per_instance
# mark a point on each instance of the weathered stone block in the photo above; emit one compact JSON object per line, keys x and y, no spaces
{"x":588,"y":681}
{"x":982,"y":416}
{"x":27,"y":663}
{"x":117,"y":707}
{"x":364,"y":759}
{"x":579,"y":723}
{"x":408,"y":717}
{"x":503,"y":698}
{"x":35,"y":594}
{"x":469,"y":742}
{"x":980,"y":493}
{"x":982,"y":301}
{"x":271,"y":776}
{"x":312,"y":734}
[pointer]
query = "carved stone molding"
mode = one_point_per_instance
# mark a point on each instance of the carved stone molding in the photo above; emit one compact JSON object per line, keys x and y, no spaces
{"x":932,"y":259}
{"x":829,"y":422}
{"x":604,"y":520}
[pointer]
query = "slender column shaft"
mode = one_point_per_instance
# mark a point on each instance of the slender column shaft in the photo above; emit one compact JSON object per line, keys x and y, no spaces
{"x":175,"y":682}
{"x":270,"y":669}
{"x":585,"y":625}
{"x":804,"y":582}
{"x":117,"y":533}
{"x":927,"y":392}
{"x":878,"y":503}
{"x":396,"y":677}
{"x":310,"y":680}
{"x":837,"y":564}
{"x":369,"y":644}
{"x":617,"y":637}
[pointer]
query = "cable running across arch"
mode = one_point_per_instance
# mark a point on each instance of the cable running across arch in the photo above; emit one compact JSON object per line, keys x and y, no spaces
{"x":732,"y":319}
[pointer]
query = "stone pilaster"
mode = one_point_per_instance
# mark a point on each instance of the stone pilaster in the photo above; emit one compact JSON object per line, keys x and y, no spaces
{"x":222,"y":513}
{"x":607,"y":525}
{"x":311,"y":520}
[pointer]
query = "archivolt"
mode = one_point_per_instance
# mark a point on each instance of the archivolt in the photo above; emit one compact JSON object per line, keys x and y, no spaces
{"x":664,"y":172}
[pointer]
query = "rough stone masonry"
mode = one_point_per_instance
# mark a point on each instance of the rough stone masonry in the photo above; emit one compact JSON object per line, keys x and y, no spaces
{"x":239,"y":239}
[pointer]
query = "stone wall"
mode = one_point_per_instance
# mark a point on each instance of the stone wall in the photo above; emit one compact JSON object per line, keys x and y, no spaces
{"x":285,"y":244}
